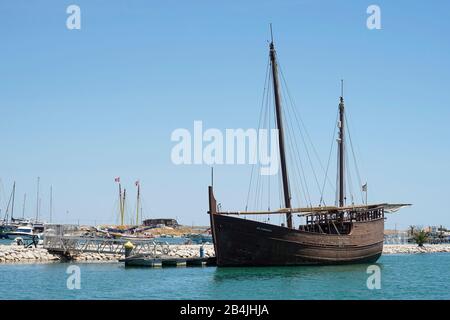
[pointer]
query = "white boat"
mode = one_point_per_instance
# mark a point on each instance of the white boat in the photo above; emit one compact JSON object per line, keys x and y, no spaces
{"x":24,"y":232}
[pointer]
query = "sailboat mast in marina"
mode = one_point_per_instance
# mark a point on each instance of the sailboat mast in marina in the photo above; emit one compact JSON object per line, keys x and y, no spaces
{"x":13,"y":198}
{"x":330,"y":235}
{"x":37,"y":199}
{"x":138,"y":201}
{"x":121,"y":201}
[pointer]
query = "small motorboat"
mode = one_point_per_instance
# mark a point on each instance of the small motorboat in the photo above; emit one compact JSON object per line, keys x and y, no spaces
{"x":24,"y":232}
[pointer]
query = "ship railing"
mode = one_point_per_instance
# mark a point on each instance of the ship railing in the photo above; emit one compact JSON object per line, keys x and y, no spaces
{"x":345,"y":216}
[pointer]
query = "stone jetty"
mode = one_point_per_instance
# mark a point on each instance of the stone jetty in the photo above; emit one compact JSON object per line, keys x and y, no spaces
{"x":413,"y":248}
{"x":20,"y":254}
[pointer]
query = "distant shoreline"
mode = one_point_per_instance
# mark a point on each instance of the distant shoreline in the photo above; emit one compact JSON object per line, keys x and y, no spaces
{"x":414,"y":248}
{"x":12,"y":254}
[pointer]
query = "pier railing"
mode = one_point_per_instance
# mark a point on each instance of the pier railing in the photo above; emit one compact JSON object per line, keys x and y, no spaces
{"x":73,"y":245}
{"x":63,"y":239}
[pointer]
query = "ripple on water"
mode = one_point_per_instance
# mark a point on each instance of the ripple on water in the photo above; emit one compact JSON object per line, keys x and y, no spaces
{"x":418,"y":276}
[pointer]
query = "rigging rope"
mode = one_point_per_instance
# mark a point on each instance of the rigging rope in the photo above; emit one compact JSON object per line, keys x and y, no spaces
{"x":329,"y":160}
{"x":300,"y":170}
{"x":300,"y":124}
{"x":266,"y":80}
{"x":354,"y":158}
{"x":306,"y":147}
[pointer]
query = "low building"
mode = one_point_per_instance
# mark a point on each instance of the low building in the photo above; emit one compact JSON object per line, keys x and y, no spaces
{"x":160,"y":222}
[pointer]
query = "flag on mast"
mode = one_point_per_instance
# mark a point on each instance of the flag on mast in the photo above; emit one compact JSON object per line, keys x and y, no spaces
{"x":117,"y":179}
{"x":364,"y":187}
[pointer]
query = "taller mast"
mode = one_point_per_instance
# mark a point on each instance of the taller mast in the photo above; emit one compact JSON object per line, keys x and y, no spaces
{"x":341,"y":142}
{"x":287,"y":193}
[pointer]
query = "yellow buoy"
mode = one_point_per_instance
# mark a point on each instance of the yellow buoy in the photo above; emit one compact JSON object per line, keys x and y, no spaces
{"x":128,"y":245}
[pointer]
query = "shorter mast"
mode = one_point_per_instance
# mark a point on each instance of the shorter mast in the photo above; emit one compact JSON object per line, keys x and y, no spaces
{"x":137,"y":202}
{"x":120,"y":200}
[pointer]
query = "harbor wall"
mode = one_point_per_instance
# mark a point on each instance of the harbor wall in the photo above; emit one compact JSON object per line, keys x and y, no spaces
{"x":20,"y":254}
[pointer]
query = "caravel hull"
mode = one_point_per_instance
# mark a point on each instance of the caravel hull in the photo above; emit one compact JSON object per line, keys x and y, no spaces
{"x":241,"y":242}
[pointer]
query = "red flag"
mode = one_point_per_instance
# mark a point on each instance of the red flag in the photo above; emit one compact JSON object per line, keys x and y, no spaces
{"x":117,"y":179}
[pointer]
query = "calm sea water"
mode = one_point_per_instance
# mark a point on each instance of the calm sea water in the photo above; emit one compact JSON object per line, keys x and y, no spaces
{"x":420,"y":276}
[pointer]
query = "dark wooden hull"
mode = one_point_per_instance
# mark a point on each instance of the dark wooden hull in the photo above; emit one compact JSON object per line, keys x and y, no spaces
{"x":241,"y":242}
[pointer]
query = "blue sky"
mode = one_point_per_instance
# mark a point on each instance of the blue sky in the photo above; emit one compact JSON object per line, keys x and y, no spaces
{"x":80,"y":107}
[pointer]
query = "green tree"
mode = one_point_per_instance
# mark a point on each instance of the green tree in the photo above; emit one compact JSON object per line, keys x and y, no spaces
{"x":420,"y":237}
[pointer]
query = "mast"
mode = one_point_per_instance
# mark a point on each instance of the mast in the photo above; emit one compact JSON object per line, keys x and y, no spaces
{"x":6,"y":218}
{"x":137,"y":202}
{"x":287,"y":193}
{"x":51,"y":203}
{"x":341,"y":142}
{"x":23,"y":206}
{"x":37,"y":200}
{"x":39,"y":207}
{"x":120,"y":199}
{"x":123,"y":207}
{"x":12,"y":205}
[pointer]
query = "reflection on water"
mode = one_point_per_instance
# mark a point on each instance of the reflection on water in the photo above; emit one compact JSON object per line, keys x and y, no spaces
{"x":305,"y":272}
{"x":420,"y":276}
{"x":296,"y":282}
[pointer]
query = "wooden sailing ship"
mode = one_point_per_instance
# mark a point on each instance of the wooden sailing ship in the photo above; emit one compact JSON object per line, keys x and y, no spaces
{"x":331,"y":235}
